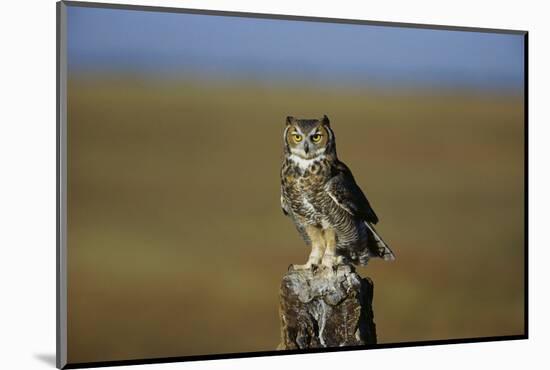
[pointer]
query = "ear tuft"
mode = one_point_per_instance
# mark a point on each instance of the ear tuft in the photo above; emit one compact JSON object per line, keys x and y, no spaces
{"x":289,"y":120}
{"x":326,"y":121}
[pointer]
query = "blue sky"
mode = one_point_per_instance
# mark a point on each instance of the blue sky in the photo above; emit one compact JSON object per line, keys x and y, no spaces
{"x":154,"y":43}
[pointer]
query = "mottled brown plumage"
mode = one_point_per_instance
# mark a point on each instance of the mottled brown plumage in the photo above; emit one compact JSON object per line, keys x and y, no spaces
{"x":320,"y":195}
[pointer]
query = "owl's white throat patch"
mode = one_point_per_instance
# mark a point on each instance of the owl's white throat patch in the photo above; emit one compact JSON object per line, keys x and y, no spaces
{"x":303,"y":163}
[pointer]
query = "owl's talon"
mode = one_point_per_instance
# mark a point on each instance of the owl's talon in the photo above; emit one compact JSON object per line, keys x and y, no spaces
{"x":294,"y":267}
{"x":290,"y":267}
{"x":314,"y":267}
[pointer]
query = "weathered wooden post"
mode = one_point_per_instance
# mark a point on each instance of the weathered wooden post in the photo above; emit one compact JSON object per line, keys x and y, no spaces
{"x":326,"y":308}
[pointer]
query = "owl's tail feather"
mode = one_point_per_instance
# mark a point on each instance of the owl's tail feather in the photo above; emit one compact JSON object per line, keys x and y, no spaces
{"x":380,"y":249}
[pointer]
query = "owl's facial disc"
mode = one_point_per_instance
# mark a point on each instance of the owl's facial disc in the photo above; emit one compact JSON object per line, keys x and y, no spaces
{"x":307,"y":144}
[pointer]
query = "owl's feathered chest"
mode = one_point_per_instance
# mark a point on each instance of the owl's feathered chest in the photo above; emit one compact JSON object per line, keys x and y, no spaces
{"x":303,"y":188}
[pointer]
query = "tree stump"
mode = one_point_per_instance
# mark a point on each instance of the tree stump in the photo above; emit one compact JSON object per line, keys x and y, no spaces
{"x":326,"y":308}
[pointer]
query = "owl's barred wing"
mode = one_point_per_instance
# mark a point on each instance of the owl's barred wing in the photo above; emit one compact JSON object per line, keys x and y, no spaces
{"x":284,"y":206}
{"x":345,"y":192}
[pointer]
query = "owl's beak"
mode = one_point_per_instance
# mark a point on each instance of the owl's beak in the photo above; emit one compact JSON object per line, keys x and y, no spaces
{"x":306,"y":148}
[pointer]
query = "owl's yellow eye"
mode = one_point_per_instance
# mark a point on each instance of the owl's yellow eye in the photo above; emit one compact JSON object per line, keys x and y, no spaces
{"x":316,"y":138}
{"x":297,"y":138}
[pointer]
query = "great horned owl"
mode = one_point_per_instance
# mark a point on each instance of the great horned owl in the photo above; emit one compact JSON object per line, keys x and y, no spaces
{"x":319,"y":194}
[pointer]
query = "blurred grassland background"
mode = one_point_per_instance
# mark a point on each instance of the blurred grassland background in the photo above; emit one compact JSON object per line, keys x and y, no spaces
{"x":176,"y":240}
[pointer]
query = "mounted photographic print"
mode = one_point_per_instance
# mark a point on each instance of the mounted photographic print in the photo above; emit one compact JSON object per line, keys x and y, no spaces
{"x":234,"y":184}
